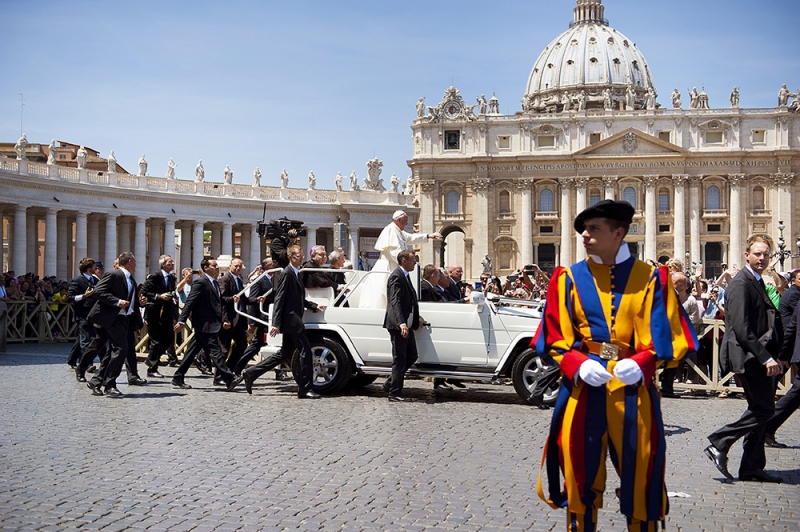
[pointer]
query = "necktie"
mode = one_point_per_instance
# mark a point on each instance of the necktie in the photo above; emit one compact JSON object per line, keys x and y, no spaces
{"x":131,"y":295}
{"x":216,"y":286}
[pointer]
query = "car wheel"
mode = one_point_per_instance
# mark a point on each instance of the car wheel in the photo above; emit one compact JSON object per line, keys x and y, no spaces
{"x":524,"y":373}
{"x":330,"y":363}
{"x":361,"y":380}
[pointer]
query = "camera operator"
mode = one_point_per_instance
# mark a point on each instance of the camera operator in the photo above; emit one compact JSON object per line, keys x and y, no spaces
{"x":279,"y":244}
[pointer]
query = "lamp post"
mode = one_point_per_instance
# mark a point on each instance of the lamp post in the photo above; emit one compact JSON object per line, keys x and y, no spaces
{"x":782,"y":252}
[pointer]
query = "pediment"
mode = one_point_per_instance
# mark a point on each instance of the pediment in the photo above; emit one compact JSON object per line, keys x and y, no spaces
{"x":632,"y":142}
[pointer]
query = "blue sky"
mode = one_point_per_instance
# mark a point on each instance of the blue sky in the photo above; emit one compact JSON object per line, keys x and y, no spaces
{"x":327,"y":85}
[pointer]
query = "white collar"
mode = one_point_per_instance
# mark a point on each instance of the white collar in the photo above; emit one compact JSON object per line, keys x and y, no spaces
{"x":757,"y":276}
{"x":623,"y":254}
{"x":165,"y":273}
{"x":296,"y":271}
{"x":88,"y":277}
{"x":126,"y":272}
{"x":209,"y":277}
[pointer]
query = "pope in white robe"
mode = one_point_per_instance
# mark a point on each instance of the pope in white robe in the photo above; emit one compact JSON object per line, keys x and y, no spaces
{"x":392,"y":240}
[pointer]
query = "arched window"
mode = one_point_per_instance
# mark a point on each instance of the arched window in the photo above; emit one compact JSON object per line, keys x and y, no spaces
{"x":712,"y":198}
{"x":629,"y":195}
{"x":758,"y":199}
{"x":505,"y":202}
{"x":594,"y":197}
{"x":546,"y":200}
{"x":452,"y":202}
{"x":663,"y":199}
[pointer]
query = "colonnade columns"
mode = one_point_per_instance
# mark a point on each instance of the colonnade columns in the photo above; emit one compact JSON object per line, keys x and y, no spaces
{"x":216,"y":241}
{"x":737,"y":245}
{"x":186,"y":246}
{"x":580,"y":205}
{"x":244,"y":247}
{"x":124,"y":232}
{"x":480,"y":188}
{"x":650,"y":251}
{"x":255,"y":248}
{"x":80,"y":240}
{"x":565,"y":257}
{"x":609,"y":186}
{"x":784,"y":184}
{"x":524,"y":187}
{"x":694,"y":217}
{"x":352,"y":235}
{"x":32,"y":244}
{"x":62,"y":247}
{"x":19,"y":260}
{"x":197,"y":245}
{"x":154,"y":246}
{"x":169,"y":238}
{"x":50,"y":242}
{"x":140,"y":242}
{"x":227,"y":239}
{"x":679,"y":231}
{"x":311,"y":241}
{"x":111,"y":240}
{"x":426,"y":210}
{"x":93,"y":239}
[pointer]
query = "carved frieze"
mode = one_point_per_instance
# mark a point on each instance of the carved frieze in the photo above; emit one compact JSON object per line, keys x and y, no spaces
{"x":581,"y":182}
{"x":480,"y":184}
{"x":650,"y":180}
{"x":680,"y":179}
{"x":427,"y":186}
{"x":736,"y":180}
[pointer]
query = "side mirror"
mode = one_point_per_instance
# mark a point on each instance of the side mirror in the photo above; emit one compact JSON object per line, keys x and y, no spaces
{"x":478,"y":299}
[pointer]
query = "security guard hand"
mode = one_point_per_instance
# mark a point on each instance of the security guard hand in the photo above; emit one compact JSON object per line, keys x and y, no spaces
{"x":628,"y":372}
{"x":593,"y":373}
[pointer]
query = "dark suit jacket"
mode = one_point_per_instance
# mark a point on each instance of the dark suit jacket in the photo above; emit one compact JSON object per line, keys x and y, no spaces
{"x":752,"y":327}
{"x":290,"y":302}
{"x":154,"y":285}
{"x":77,"y":287}
{"x":229,"y":289}
{"x":454,"y":290}
{"x":317,"y":279}
{"x":112,"y":288}
{"x":428,"y":292}
{"x":258,"y":289}
{"x":788,"y":303}
{"x":204,"y":305}
{"x":790,"y":349}
{"x":401,"y":302}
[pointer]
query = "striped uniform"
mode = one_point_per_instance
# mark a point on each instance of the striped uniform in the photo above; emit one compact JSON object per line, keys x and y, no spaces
{"x":634,"y":306}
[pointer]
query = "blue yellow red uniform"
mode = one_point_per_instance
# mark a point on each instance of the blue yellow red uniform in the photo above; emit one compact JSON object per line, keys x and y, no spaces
{"x":633,"y":306}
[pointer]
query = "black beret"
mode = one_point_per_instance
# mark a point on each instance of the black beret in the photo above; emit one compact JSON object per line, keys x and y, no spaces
{"x":99,"y":264}
{"x":615,"y":210}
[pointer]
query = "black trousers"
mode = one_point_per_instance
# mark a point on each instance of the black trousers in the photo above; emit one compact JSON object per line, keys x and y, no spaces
{"x":252,"y":349}
{"x":162,"y":337}
{"x":785,"y":407}
{"x":206,"y":342}
{"x":404,"y":355}
{"x":304,"y":374}
{"x":236,"y":335}
{"x":759,"y":391}
{"x":111,"y":365}
{"x":85,"y":334}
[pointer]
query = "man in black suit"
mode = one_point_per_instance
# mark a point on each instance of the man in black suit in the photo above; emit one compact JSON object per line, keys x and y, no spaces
{"x":234,"y":325}
{"x":111,"y":314}
{"x":790,"y":298}
{"x":429,"y":286}
{"x":161,"y":313}
{"x":786,"y":405}
{"x":319,"y":257}
{"x":401,"y":320}
{"x":454,"y":288}
{"x":205,"y":306}
{"x":287,"y":319}
{"x":752,"y":336}
{"x":79,"y":294}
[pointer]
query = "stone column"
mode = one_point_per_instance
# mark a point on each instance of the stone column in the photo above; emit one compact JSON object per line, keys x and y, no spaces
{"x":311,"y":241}
{"x":227,"y":239}
{"x":524,"y":187}
{"x":480,"y":188}
{"x":736,"y":219}
{"x":32,"y":245}
{"x":784,"y":184}
{"x":93,"y":240}
{"x":536,"y":253}
{"x":679,"y":218}
{"x":140,"y":242}
{"x":580,"y":205}
{"x":244,"y":247}
{"x":111,"y":241}
{"x":610,"y":186}
{"x":650,"y":251}
{"x":694,"y":216}
{"x":154,"y":246}
{"x":50,"y":242}
{"x":216,"y":241}
{"x":197,"y":245}
{"x":20,"y":241}
{"x":63,"y":248}
{"x":124,"y":233}
{"x":80,"y":241}
{"x":352,"y":235}
{"x":426,"y":211}
{"x":255,"y":248}
{"x":169,"y":238}
{"x":565,"y":258}
{"x":186,"y":246}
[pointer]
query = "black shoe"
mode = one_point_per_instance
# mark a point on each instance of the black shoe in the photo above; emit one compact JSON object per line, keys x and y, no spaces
{"x":95,"y":389}
{"x":670,"y":395}
{"x":441,"y":386}
{"x":137,"y":381}
{"x":232,"y":384}
{"x":770,"y":441}
{"x":78,"y":376}
{"x":387,"y":385}
{"x":759,"y":476}
{"x":456,"y":383}
{"x":399,"y":399}
{"x":248,"y":382}
{"x":720,"y":460}
{"x":180,"y":384}
{"x":219,"y":382}
{"x":154,"y":374}
{"x":308,"y":395}
{"x":113,"y":392}
{"x":282,"y":376}
{"x":92,"y":369}
{"x":73,"y":366}
{"x":205,"y":371}
{"x":173,"y":363}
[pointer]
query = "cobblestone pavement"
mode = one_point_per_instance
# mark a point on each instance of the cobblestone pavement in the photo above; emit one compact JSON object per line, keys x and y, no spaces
{"x":208,"y":460}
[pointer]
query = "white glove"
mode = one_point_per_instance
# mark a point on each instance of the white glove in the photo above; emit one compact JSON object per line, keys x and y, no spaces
{"x":628,"y":372}
{"x":593,"y":373}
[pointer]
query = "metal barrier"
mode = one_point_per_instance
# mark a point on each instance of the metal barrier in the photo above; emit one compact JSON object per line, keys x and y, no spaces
{"x":35,"y":321}
{"x":3,"y":325}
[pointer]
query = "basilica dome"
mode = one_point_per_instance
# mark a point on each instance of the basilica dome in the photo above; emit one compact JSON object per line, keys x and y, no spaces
{"x":589,"y":66}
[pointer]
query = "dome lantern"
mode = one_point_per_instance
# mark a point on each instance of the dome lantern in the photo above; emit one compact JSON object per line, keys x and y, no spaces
{"x":589,"y":11}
